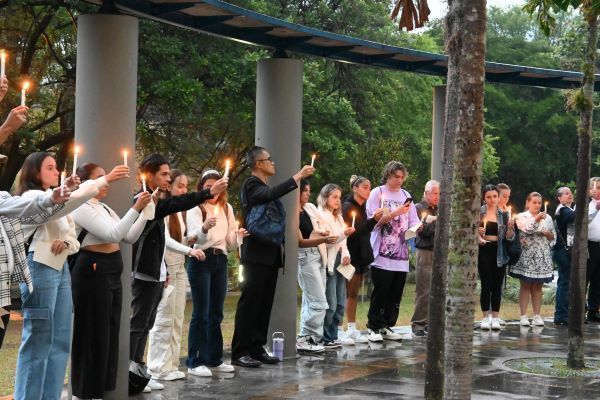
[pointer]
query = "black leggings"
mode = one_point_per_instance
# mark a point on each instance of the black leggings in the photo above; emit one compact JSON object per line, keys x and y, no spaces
{"x":491,"y":277}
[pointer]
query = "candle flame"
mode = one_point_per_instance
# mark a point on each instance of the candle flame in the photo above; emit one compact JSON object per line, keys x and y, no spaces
{"x":3,"y":54}
{"x":354,"y":213}
{"x":227,"y":163}
{"x":143,"y":176}
{"x":76,"y":149}
{"x":125,"y":153}
{"x":26,"y":85}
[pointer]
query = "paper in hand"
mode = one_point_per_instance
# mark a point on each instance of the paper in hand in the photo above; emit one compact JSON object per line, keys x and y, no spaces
{"x":412,"y":231}
{"x":347,"y":271}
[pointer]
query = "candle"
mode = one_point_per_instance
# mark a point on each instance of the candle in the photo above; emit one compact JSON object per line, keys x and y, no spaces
{"x":2,"y":63}
{"x":312,"y":162}
{"x":63,"y":176}
{"x":227,"y":165}
{"x":545,"y":206}
{"x":423,"y":216}
{"x":381,"y":201}
{"x":216,"y":210}
{"x":484,"y":225}
{"x":125,"y":153}
{"x":24,"y":92}
{"x":509,"y":212}
{"x":353,"y":218}
{"x":143,"y":182}
{"x":75,"y":155}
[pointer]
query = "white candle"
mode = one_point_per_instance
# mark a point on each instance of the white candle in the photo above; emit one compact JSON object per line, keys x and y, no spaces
{"x":353,"y":218}
{"x":227,"y":166}
{"x":75,"y":155}
{"x":125,"y":157}
{"x":143,"y":182}
{"x":312,"y":162}
{"x":63,"y":176}
{"x":381,"y":201}
{"x":24,"y":93}
{"x":484,"y":225}
{"x":546,"y":207}
{"x":509,"y":212}
{"x":423,"y":216}
{"x":2,"y":63}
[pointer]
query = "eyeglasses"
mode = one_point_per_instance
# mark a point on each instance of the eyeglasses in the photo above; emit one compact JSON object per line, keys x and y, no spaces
{"x":266,"y":159}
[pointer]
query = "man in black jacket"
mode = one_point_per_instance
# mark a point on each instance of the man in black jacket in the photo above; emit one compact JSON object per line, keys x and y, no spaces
{"x":149,"y":268}
{"x":427,"y":210}
{"x":261,"y":260}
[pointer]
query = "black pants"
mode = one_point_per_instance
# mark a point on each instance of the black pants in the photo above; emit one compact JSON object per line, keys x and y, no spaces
{"x":388,"y":287}
{"x":146,"y":297}
{"x":97,"y":302}
{"x":491,"y":277}
{"x":593,"y":276}
{"x":5,"y":320}
{"x":254,"y":311}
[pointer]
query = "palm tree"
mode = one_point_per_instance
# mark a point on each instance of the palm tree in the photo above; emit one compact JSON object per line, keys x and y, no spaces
{"x":582,"y":101}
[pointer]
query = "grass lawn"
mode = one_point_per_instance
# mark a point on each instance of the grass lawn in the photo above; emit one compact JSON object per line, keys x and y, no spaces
{"x":8,"y":354}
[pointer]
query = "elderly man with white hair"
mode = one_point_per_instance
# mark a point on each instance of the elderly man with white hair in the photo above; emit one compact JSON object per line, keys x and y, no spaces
{"x":427,"y":210}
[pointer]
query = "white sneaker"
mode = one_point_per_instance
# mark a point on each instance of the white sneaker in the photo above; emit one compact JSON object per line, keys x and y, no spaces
{"x":170,"y":376}
{"x":373,"y":336}
{"x":308,"y":344}
{"x":496,"y":324}
{"x":344,"y":339}
{"x":200,"y":370}
{"x":486,"y":324}
{"x":147,"y":389}
{"x":524,"y":321}
{"x":501,"y":321}
{"x":389,"y":334}
{"x":355,"y":335}
{"x":155,"y":385}
{"x":223,"y":368}
{"x":537,"y":320}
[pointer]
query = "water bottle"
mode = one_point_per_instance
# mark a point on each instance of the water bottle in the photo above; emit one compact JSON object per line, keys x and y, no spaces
{"x":278,"y":338}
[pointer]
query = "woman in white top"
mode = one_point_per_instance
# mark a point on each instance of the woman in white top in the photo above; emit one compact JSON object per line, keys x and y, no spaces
{"x":46,"y":339}
{"x":330,"y":206}
{"x":165,"y":335}
{"x":535,"y":266}
{"x":97,"y":290}
{"x":217,"y":232}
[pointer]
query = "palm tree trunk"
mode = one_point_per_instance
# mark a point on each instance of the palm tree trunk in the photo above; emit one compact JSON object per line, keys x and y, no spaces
{"x":467,"y":43}
{"x":434,"y":367}
{"x":583,"y":100}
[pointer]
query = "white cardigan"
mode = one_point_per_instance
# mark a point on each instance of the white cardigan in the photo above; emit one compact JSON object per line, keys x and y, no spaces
{"x":335,"y":225}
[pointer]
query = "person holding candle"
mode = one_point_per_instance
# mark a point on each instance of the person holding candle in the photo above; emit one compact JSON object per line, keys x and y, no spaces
{"x":46,"y":338}
{"x":492,"y":259}
{"x":535,"y":266}
{"x":312,"y":258}
{"x":97,"y":291}
{"x":150,"y":275}
{"x":424,"y":243}
{"x":593,"y":264}
{"x":216,"y":235}
{"x":261,"y":259}
{"x":359,"y":246}
{"x":390,"y":250}
{"x":16,"y":118}
{"x":561,"y":252}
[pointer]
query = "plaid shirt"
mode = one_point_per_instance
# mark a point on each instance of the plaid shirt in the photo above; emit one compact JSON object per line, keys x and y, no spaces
{"x":19,"y":210}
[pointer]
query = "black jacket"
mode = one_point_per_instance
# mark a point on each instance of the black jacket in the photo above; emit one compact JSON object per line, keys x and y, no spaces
{"x":359,"y":243}
{"x":255,"y":192}
{"x":425,"y":238}
{"x":149,"y":248}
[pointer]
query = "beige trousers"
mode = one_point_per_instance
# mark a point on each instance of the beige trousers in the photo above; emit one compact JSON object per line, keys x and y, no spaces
{"x":423,"y":278}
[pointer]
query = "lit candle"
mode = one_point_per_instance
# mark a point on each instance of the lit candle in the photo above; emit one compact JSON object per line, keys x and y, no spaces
{"x":595,"y":185}
{"x":546,"y":207}
{"x":24,"y":92}
{"x":143,"y":182}
{"x":75,"y":156}
{"x":423,"y":216}
{"x":509,"y":212}
{"x":63,"y":176}
{"x":312,"y":162}
{"x":125,"y":153}
{"x":484,"y":225}
{"x":353,"y":218}
{"x":216,"y":210}
{"x":381,"y":201}
{"x":227,"y":165}
{"x":2,"y":63}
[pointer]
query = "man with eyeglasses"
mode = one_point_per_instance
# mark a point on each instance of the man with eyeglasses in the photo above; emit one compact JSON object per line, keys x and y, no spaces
{"x":262,"y":260}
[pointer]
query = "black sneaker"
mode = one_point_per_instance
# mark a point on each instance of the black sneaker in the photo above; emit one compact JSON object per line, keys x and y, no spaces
{"x":593,"y":316}
{"x":420,"y":333}
{"x":561,"y":323}
{"x":331,"y":345}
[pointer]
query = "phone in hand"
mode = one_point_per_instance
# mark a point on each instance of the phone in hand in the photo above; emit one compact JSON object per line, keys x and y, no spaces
{"x":409,"y":200}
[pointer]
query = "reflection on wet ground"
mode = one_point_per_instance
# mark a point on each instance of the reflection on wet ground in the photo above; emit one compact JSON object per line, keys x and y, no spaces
{"x":393,"y":370}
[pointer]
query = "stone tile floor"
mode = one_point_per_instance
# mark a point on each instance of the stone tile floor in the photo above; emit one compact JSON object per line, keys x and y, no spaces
{"x":396,"y":371}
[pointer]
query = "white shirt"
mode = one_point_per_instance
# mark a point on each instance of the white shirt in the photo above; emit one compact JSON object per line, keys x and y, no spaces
{"x":594,"y":224}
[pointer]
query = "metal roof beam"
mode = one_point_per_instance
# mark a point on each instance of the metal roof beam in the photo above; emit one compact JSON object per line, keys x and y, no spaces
{"x":166,"y":8}
{"x":205,"y":22}
{"x":327,"y":51}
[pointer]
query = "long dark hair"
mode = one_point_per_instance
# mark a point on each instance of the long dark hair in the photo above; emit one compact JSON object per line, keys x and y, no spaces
{"x":29,"y":175}
{"x":174,"y":227}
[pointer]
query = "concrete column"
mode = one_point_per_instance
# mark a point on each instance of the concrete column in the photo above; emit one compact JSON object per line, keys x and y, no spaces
{"x":437,"y":132}
{"x":279,"y":130}
{"x":105,"y":121}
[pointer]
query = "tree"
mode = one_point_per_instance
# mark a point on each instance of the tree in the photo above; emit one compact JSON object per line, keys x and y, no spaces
{"x":582,"y":101}
{"x":466,"y":48}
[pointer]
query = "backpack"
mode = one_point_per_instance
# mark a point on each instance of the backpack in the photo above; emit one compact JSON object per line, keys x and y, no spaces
{"x":266,"y":221}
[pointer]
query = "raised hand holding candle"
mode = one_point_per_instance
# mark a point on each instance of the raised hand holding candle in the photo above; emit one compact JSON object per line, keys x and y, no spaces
{"x":24,"y":93}
{"x":143,"y":176}
{"x":2,"y":63}
{"x":353,"y":218}
{"x":63,"y":176}
{"x":125,"y":153}
{"x":75,"y":156}
{"x":227,"y":166}
{"x":312,"y":162}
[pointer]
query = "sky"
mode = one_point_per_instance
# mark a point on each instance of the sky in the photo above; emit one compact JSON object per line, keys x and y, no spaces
{"x":439,"y":7}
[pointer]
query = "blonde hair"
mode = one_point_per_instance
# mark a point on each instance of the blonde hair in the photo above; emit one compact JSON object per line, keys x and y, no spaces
{"x":324,"y":194}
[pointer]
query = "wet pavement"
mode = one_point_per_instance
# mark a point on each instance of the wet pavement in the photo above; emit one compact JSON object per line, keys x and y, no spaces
{"x":396,"y":371}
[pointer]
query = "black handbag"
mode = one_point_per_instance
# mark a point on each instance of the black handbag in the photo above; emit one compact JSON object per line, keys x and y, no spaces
{"x":513,"y":248}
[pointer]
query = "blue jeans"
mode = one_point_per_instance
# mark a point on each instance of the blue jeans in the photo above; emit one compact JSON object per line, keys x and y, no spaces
{"x":335,"y":291}
{"x":46,"y":341}
{"x":311,"y":278}
{"x":208,"y":280}
{"x":563,"y":261}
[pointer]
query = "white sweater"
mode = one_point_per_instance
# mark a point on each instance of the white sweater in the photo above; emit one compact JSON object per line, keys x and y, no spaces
{"x":222,"y":236}
{"x":335,"y":225}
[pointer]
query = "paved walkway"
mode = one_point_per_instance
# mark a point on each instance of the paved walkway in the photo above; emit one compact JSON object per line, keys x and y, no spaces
{"x":396,"y":371}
